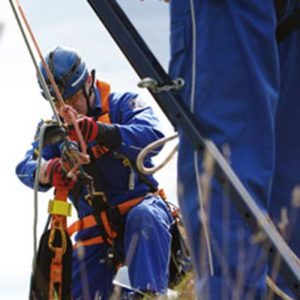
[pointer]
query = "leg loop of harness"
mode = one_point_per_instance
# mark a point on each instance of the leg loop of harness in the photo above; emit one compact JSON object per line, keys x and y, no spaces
{"x":105,"y":219}
{"x":108,"y":220}
{"x":101,"y":208}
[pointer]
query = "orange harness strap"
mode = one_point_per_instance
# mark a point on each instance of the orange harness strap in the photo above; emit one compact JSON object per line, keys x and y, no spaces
{"x":56,"y":274}
{"x":89,"y":221}
{"x":59,"y":223}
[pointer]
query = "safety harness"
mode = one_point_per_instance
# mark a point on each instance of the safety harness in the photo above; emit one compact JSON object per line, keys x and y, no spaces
{"x":104,"y":215}
{"x":110,"y":233}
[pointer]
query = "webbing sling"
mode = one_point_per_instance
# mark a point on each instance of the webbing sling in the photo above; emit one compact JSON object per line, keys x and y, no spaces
{"x":51,"y":278}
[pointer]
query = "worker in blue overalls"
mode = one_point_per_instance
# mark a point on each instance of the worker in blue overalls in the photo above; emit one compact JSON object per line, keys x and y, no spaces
{"x":115,"y":127}
{"x":227,"y":53}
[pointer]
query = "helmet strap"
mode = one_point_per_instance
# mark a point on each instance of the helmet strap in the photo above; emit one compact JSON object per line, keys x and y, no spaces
{"x":88,"y":92}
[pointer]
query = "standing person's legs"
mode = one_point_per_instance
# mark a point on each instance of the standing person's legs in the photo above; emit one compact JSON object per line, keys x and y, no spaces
{"x":285,"y":202}
{"x":227,"y":53}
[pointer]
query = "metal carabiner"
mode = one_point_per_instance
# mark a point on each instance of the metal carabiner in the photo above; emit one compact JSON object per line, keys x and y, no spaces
{"x":52,"y":237}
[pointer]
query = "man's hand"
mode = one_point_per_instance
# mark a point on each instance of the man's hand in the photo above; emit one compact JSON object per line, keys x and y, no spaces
{"x":105,"y":135}
{"x":88,"y":127}
{"x":56,"y":174}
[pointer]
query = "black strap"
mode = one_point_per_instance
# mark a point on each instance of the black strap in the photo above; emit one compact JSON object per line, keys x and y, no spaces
{"x":289,"y":25}
{"x":279,"y":5}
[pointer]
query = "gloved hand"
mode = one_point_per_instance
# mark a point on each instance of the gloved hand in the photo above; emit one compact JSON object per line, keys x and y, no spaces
{"x":57,"y":171}
{"x":88,"y":127}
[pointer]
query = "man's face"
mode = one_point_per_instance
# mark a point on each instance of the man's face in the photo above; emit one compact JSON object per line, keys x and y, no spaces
{"x":78,"y":102}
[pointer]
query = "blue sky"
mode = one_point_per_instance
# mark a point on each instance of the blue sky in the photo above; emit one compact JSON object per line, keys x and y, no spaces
{"x":67,"y":23}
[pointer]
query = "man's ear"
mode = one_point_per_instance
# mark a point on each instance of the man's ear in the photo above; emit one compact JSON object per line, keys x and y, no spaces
{"x":88,"y":84}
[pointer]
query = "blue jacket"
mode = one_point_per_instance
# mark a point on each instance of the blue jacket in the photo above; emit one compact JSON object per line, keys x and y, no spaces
{"x":138,"y":127}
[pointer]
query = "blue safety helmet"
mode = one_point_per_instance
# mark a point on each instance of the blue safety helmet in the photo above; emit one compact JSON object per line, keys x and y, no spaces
{"x":69,"y":71}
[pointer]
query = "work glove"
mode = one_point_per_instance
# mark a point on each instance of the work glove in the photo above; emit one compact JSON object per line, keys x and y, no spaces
{"x":88,"y":127}
{"x":57,"y":171}
{"x":106,"y":135}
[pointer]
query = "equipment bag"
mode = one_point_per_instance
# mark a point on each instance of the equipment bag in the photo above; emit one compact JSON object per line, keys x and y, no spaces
{"x":180,"y":260}
{"x":40,"y":279}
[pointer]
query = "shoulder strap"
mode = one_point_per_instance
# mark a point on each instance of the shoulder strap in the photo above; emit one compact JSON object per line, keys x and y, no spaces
{"x":104,"y":89}
{"x":289,"y":25}
{"x":279,"y":5}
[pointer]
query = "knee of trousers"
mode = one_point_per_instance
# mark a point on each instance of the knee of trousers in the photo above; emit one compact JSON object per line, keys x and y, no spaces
{"x":149,"y":215}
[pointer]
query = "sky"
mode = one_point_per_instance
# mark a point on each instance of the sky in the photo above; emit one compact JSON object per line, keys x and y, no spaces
{"x":65,"y":23}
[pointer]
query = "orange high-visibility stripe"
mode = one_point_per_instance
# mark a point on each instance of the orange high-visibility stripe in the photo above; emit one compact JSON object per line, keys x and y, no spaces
{"x":105,"y":92}
{"x":104,"y":89}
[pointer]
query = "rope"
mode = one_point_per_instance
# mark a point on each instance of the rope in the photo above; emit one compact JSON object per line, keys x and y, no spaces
{"x":71,"y":115}
{"x":274,"y":288}
{"x":39,"y":74}
{"x":141,"y":157}
{"x":36,"y":187}
{"x":204,"y":218}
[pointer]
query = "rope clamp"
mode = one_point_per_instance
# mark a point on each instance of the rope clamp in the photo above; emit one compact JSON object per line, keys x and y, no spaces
{"x":153,"y":86}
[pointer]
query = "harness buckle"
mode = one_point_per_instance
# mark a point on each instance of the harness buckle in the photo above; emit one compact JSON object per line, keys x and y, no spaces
{"x":97,"y":197}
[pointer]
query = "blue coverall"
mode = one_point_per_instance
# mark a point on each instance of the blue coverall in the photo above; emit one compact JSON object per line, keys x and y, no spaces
{"x":286,"y":183}
{"x":147,"y":238}
{"x":227,"y":53}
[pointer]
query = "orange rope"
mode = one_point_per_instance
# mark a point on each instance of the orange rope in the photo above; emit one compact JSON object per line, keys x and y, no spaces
{"x":72,"y":116}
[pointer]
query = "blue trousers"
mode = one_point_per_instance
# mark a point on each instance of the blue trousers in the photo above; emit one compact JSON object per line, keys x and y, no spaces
{"x":147,"y":242}
{"x":286,"y":181}
{"x":227,"y":53}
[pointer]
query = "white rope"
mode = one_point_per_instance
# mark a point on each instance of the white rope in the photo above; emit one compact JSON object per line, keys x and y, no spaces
{"x":204,"y":218}
{"x":141,"y":157}
{"x":277,"y":291}
{"x":36,"y":186}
